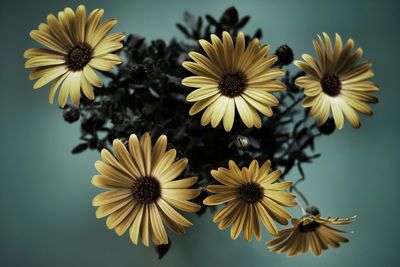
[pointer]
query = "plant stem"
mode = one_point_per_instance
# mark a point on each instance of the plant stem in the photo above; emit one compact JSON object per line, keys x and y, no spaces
{"x":300,"y":194}
{"x":290,"y":107}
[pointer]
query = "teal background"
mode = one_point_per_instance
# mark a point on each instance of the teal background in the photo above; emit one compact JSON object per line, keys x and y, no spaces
{"x":46,"y":217}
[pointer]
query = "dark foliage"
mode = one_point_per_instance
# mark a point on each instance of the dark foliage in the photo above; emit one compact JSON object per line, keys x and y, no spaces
{"x":145,"y":94}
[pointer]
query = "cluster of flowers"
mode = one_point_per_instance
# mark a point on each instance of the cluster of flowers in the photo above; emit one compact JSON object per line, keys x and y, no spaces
{"x":232,"y":75}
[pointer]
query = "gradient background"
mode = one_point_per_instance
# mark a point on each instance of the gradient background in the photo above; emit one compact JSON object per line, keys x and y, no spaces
{"x":46,"y":217}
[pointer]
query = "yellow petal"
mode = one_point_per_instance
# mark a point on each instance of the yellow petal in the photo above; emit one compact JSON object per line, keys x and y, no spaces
{"x":157,"y":225}
{"x":121,"y":228}
{"x":145,"y":143}
{"x":101,"y":64}
{"x":65,"y":89}
{"x":219,"y":110}
{"x":51,"y":74}
{"x":219,"y":199}
{"x":55,"y":86}
{"x":173,"y":214}
{"x":202,"y":104}
{"x":92,"y":77}
{"x":47,"y":40}
{"x":105,"y":47}
{"x":199,"y":81}
{"x":111,"y":196}
{"x":173,"y":171}
{"x":75,"y":90}
{"x":42,"y":61}
{"x":202,"y":93}
{"x":87,"y":88}
{"x":181,"y":183}
{"x":136,"y":153}
{"x":80,"y":23}
{"x":101,"y":31}
{"x":159,"y":149}
{"x":244,"y":111}
{"x":92,"y":23}
{"x":135,"y":228}
{"x":229,"y":115}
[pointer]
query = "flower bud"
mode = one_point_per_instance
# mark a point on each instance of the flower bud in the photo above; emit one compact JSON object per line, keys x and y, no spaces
{"x":71,"y":114}
{"x":138,"y":72}
{"x":312,"y":210}
{"x":328,"y":127}
{"x":241,"y":142}
{"x":230,"y":17}
{"x":284,"y":54}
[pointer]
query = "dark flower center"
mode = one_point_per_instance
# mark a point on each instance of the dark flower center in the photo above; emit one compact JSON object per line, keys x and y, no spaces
{"x":232,"y":85}
{"x":312,"y":226}
{"x":78,"y":57}
{"x":146,"y":190}
{"x":331,"y":85}
{"x":251,"y":192}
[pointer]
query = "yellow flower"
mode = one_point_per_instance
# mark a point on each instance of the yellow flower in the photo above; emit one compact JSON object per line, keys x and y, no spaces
{"x":232,"y":76}
{"x":142,"y":191}
{"x":250,"y":195}
{"x":309,"y":233}
{"x":336,"y":82}
{"x":74,"y":48}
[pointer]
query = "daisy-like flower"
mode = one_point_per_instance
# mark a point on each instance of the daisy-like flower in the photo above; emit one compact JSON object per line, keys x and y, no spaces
{"x":336,"y":82}
{"x":142,"y":191}
{"x":74,"y":48}
{"x":251,"y":195}
{"x":232,"y":76}
{"x":310,"y":233}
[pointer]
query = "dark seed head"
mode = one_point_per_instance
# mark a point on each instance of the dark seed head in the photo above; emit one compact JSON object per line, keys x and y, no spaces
{"x":309,"y":227}
{"x":78,"y":57}
{"x":251,"y":192}
{"x":331,"y":85}
{"x":146,"y":190}
{"x":232,"y":85}
{"x":284,"y":54}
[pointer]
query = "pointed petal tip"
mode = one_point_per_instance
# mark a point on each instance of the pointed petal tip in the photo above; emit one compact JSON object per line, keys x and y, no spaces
{"x":297,"y":63}
{"x":26,"y":52}
{"x":227,"y":129}
{"x":213,"y":172}
{"x":118,"y":232}
{"x":98,"y":214}
{"x":184,"y":64}
{"x":61,"y":105}
{"x":207,"y":202}
{"x":92,"y":180}
{"x":36,"y":85}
